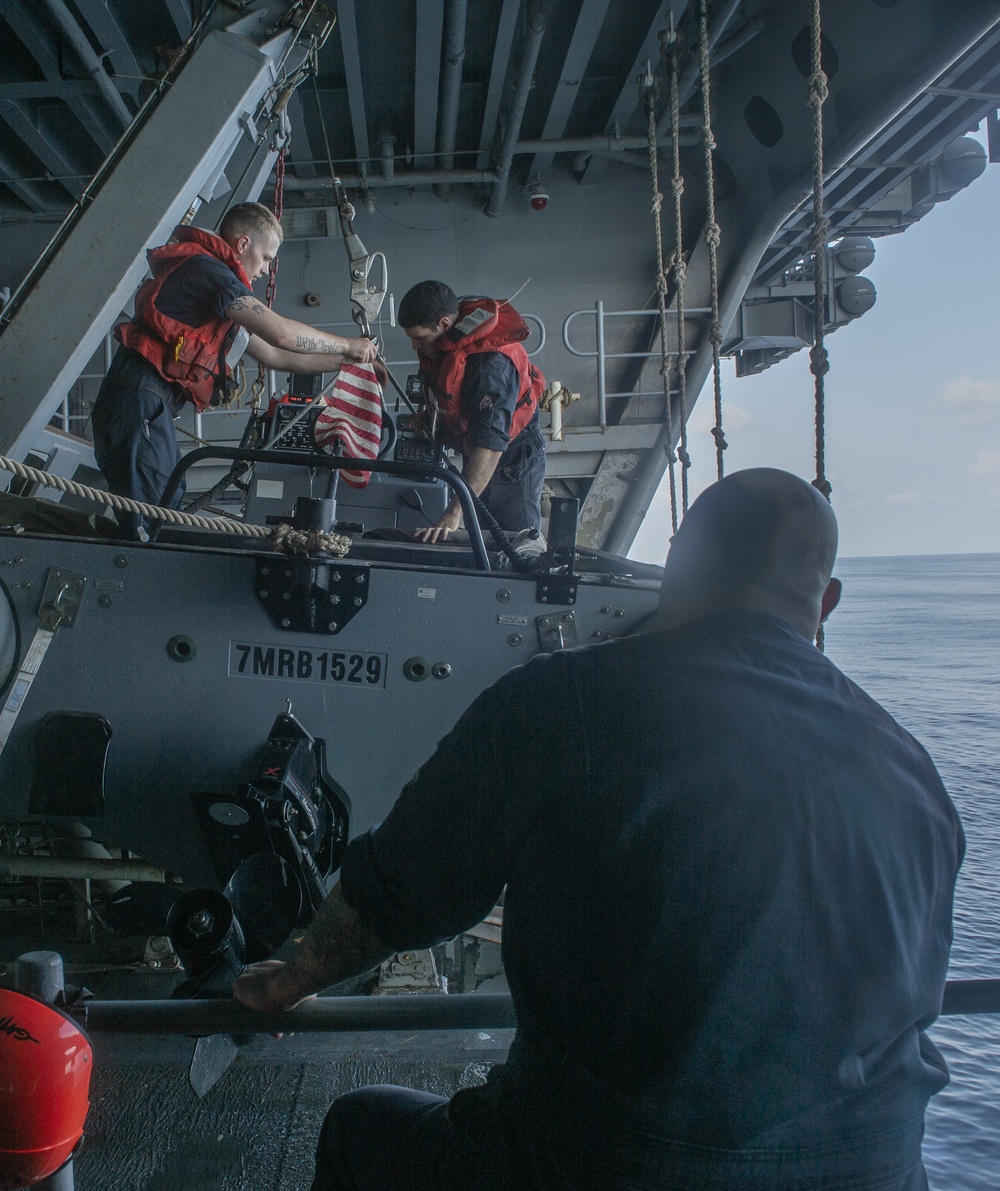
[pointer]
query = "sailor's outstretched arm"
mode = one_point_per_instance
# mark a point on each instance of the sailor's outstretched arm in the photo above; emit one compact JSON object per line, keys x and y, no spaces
{"x":336,"y":945}
{"x":309,"y":362}
{"x":286,"y":361}
{"x":288,"y":334}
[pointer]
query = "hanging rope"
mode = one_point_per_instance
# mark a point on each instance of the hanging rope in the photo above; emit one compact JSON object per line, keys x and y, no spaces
{"x":648,"y":89}
{"x":282,"y":537}
{"x":819,"y":362}
{"x":334,"y":180}
{"x":713,"y":234}
{"x":345,"y":207}
{"x":251,"y":438}
{"x":679,"y":269}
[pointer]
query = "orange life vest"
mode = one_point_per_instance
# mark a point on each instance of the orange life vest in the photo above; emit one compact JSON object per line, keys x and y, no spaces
{"x":483,"y":325}
{"x":194,"y":358}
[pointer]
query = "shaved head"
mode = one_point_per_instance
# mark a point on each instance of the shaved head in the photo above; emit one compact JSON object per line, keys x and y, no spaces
{"x":761,"y":540}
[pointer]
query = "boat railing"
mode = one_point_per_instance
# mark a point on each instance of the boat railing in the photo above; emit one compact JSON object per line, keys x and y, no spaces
{"x":321,"y":462}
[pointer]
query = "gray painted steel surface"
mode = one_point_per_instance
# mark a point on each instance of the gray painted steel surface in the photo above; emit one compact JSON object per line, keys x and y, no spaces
{"x":197,"y":725}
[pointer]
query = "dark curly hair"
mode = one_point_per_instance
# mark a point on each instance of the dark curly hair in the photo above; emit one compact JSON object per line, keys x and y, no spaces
{"x":426,"y":303}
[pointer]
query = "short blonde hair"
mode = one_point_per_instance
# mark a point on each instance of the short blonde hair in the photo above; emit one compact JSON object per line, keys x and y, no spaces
{"x":250,"y":219}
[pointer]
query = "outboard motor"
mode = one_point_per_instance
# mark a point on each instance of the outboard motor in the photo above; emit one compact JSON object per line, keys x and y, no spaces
{"x":274,"y":845}
{"x":208,"y":938}
{"x":45,"y":1065}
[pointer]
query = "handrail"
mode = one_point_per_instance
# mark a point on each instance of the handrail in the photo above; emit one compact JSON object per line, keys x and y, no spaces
{"x":432,"y":1011}
{"x":602,"y":355}
{"x":963,"y":997}
{"x":533,"y":318}
{"x":320,"y":462}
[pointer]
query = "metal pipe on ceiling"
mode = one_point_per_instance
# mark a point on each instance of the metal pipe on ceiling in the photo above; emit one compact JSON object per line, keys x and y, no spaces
{"x":84,"y":51}
{"x":640,"y":161}
{"x":529,"y":58}
{"x":606,"y":143}
{"x":375,"y":181}
{"x":387,"y":155}
{"x":456,"y":20}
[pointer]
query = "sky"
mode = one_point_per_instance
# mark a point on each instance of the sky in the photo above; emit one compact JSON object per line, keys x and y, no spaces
{"x":912,"y":399}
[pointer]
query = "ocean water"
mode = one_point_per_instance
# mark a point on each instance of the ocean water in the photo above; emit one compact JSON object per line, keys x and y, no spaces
{"x":922,"y":636}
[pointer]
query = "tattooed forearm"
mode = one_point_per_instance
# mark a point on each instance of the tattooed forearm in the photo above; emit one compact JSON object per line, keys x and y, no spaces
{"x":307,"y":343}
{"x":337,"y":944}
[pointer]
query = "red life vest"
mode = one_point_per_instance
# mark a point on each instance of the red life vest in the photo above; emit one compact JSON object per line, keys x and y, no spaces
{"x":484,"y":325}
{"x":194,"y":358}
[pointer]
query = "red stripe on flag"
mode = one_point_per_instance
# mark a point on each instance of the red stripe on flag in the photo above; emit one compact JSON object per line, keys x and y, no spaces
{"x":352,"y":416}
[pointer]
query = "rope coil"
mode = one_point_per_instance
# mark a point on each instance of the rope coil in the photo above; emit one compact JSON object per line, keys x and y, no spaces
{"x":301,"y":541}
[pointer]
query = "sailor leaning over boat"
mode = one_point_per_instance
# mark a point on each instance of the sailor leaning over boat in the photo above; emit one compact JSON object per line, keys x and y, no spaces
{"x":174,"y":349}
{"x":485,"y":392}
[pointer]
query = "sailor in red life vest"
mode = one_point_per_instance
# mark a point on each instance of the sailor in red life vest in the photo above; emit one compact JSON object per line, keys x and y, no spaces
{"x":487,"y":393}
{"x":175,"y":347}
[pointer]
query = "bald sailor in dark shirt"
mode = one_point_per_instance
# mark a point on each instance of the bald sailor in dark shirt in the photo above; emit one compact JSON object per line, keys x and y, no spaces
{"x":729,"y":878}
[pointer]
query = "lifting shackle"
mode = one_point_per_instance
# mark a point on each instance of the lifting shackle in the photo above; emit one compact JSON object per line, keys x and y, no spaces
{"x":367,"y":290}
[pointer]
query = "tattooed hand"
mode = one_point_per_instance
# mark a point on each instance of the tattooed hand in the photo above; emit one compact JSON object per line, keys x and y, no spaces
{"x":268,"y":986}
{"x":337,"y":944}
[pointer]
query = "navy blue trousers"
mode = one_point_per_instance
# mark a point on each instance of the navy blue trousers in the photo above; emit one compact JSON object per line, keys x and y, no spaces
{"x":514,"y":493}
{"x":135,"y":442}
{"x":388,"y":1138}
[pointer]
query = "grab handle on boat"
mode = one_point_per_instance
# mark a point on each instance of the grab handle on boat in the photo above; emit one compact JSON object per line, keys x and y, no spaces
{"x":467,"y":1011}
{"x":322,"y":462}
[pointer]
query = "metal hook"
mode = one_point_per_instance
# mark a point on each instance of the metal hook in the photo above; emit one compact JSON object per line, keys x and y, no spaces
{"x":668,"y":38}
{"x":62,"y":591}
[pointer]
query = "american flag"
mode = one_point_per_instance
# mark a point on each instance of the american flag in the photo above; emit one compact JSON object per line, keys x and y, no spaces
{"x":350,"y":422}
